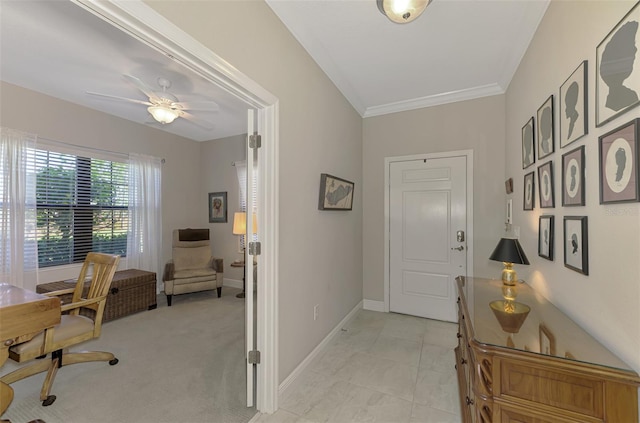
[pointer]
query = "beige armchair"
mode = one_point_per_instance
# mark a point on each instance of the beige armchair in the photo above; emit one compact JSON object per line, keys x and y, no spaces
{"x":193,"y":268}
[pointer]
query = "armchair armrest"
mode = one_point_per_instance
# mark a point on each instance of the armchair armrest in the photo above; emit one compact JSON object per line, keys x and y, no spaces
{"x":169,"y":268}
{"x":82,"y":303}
{"x":59,"y":292}
{"x":217,"y":264}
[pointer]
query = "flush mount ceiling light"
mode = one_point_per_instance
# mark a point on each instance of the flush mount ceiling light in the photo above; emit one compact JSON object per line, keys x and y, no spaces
{"x":163,"y":114}
{"x":402,"y":11}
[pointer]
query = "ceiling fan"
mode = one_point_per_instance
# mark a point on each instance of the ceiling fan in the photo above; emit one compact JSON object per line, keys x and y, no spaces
{"x":163,"y":106}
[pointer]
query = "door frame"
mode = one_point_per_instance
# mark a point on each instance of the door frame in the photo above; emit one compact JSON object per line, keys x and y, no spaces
{"x":142,"y":22}
{"x":468,"y":154}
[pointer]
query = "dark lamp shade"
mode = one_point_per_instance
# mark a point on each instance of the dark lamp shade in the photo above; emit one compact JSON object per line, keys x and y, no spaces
{"x":509,"y":250}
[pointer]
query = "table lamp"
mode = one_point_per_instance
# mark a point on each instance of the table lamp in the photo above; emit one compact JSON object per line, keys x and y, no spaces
{"x":240,"y":223}
{"x":509,"y":252}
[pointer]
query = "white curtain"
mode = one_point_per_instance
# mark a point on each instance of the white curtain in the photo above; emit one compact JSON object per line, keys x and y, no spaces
{"x":144,"y":240}
{"x":18,"y":239}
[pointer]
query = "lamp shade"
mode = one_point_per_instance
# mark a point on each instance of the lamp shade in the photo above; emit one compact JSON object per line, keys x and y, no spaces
{"x":402,"y":11}
{"x":240,"y":223}
{"x":509,"y":250}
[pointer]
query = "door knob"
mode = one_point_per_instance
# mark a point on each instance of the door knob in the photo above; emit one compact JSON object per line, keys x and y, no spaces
{"x":460,"y":248}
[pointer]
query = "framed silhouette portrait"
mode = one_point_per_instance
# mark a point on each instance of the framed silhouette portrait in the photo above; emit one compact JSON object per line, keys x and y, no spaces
{"x":618,"y":69}
{"x":529,"y":192}
{"x":576,"y":246}
{"x":528,"y":144}
{"x":618,"y":160}
{"x":573,"y":123}
{"x":545,"y":237}
{"x":545,"y":184}
{"x":573,"y":177}
{"x":545,"y":135}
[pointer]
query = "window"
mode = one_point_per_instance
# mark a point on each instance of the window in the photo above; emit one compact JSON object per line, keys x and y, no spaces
{"x":81,"y":207}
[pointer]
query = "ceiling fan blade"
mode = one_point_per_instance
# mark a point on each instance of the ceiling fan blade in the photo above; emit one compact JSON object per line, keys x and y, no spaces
{"x":148,"y":91}
{"x":197,"y":121}
{"x":115,"y":97}
{"x":208,"y":106}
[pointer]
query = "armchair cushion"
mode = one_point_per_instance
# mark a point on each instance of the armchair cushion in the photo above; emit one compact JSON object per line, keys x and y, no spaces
{"x":191,"y":258}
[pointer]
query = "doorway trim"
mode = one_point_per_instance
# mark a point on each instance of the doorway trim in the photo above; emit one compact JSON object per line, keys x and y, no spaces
{"x":387,"y":195}
{"x":142,"y":22}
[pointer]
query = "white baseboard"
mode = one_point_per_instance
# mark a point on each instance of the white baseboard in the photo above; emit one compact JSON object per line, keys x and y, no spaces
{"x":373,"y":305}
{"x":233,"y":283}
{"x":316,"y":351}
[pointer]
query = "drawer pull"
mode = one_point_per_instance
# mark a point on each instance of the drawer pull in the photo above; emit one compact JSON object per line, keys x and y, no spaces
{"x":459,"y":335}
{"x":115,"y":290}
{"x":463,"y":361}
{"x":469,"y":401}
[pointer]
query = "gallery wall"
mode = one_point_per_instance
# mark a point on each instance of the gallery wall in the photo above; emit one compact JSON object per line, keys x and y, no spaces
{"x":606,"y":302}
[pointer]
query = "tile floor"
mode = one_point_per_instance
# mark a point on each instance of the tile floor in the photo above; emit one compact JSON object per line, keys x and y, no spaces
{"x":382,"y":367}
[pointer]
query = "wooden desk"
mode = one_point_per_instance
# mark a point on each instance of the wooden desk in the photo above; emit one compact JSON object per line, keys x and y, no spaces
{"x":23,"y":314}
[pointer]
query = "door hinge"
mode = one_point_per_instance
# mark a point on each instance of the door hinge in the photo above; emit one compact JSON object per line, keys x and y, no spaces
{"x":255,"y":140}
{"x":254,"y":357}
{"x":254,"y":248}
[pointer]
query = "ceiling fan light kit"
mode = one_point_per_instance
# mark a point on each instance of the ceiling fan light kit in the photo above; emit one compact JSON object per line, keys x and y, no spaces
{"x":402,"y":11}
{"x":163,"y":114}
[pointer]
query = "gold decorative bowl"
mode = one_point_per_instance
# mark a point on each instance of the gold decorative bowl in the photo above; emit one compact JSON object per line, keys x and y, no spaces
{"x":510,"y":314}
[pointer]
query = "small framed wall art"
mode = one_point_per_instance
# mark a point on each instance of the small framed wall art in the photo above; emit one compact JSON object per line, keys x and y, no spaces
{"x":528,"y":144}
{"x":335,"y":193}
{"x":618,"y":159}
{"x":573,"y":106}
{"x":545,"y":237}
{"x":573,"y":177}
{"x":546,"y":143}
{"x":218,"y":207}
{"x":529,"y":191}
{"x":618,"y":69}
{"x":545,"y":182}
{"x":576,"y":246}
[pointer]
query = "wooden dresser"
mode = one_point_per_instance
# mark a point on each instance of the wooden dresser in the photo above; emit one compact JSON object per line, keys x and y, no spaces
{"x":533,"y":364}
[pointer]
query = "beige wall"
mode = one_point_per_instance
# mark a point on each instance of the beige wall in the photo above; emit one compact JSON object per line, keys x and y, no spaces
{"x":607,"y":302}
{"x":59,"y":120}
{"x":219,"y":175}
{"x":476,"y":125}
{"x":320,"y":252}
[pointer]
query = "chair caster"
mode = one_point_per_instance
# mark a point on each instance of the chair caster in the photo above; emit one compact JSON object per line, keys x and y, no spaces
{"x":50,"y":400}
{"x":114,"y":361}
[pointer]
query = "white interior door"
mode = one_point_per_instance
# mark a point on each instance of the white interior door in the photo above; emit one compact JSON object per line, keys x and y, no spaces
{"x":427,"y":210}
{"x":249,"y":258}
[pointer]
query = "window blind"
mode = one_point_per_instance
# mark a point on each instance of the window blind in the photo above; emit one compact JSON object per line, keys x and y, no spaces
{"x":81,"y":207}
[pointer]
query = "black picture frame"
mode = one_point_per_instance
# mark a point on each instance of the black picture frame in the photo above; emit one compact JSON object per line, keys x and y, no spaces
{"x":335,"y":193}
{"x":528,"y":144}
{"x":573,"y":106}
{"x":546,"y":236}
{"x":545,"y":129}
{"x":618,"y":69}
{"x":576,"y":244}
{"x":529,"y":192}
{"x":618,"y":163}
{"x":218,"y":207}
{"x":573,"y":180}
{"x":546,"y":185}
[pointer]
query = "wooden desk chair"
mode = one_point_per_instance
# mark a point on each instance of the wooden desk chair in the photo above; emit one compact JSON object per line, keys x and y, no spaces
{"x":73,"y":328}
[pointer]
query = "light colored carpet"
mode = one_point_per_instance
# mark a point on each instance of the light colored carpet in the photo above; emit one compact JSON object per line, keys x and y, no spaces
{"x":183,"y":363}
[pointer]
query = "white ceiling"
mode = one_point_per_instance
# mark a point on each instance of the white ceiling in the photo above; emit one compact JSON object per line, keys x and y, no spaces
{"x":457,"y":50}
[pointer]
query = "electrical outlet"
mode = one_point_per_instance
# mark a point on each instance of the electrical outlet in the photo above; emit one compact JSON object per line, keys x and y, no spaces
{"x":315,"y":311}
